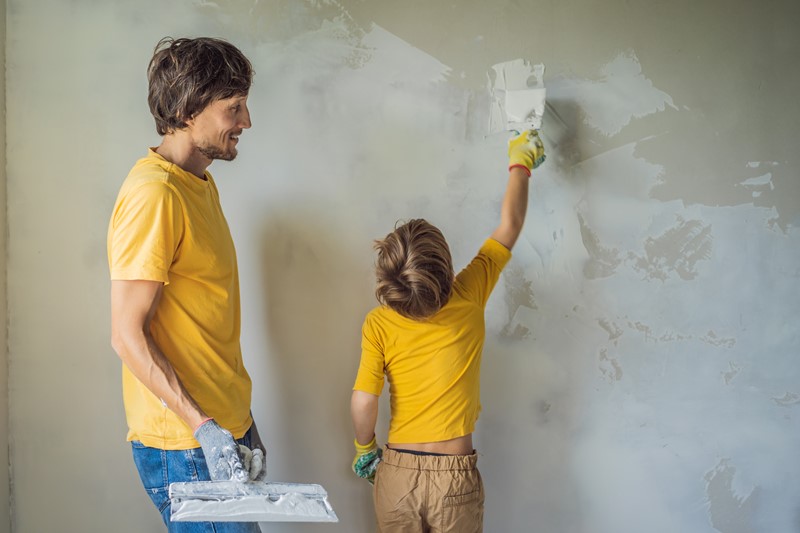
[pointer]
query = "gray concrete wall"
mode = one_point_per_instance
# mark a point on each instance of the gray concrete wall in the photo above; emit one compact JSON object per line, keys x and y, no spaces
{"x":5,"y":507}
{"x":640,"y":370}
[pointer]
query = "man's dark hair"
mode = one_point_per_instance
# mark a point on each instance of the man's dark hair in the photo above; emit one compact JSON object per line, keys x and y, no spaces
{"x":185,"y":75}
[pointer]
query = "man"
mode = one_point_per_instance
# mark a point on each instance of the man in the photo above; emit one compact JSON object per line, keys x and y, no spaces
{"x":427,"y":339}
{"x":175,"y":313}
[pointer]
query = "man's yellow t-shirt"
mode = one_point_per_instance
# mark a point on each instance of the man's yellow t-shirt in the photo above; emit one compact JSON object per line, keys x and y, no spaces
{"x":168,"y":226}
{"x":433,"y":366}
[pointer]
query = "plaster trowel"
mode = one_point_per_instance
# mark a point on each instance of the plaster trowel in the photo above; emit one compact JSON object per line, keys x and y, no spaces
{"x":252,"y":501}
{"x":517,"y":97}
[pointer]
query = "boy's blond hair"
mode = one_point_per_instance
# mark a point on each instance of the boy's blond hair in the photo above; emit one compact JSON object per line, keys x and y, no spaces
{"x":414,"y":270}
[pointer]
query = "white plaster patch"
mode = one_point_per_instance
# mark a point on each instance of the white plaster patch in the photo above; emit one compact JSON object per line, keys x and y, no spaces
{"x":765,"y":179}
{"x":395,"y":60}
{"x":759,"y":184}
{"x":621,"y":94}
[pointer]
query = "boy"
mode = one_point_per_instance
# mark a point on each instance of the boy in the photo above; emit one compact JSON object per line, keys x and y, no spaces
{"x":427,"y":338}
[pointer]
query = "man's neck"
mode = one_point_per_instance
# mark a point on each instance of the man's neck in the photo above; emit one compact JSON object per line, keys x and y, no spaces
{"x":177,"y":148}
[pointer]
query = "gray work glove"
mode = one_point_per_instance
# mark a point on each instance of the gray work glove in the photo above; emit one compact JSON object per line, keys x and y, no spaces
{"x":257,"y":464}
{"x":221,"y":451}
{"x":254,"y":463}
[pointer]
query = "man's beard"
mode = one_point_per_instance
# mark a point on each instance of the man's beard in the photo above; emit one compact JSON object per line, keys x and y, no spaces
{"x":215,"y":152}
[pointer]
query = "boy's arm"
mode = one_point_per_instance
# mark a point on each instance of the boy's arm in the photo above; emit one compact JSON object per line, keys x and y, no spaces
{"x":525,"y":152}
{"x":364,"y":411}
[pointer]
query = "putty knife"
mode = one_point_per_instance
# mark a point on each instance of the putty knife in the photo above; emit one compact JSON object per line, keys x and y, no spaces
{"x":517,"y":97}
{"x":232,"y":501}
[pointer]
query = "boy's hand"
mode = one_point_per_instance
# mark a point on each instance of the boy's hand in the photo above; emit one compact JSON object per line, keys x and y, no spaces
{"x":366,"y":460}
{"x":526,"y":151}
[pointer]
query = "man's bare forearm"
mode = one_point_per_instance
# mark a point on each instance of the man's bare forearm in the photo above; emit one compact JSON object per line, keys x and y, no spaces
{"x":133,"y":303}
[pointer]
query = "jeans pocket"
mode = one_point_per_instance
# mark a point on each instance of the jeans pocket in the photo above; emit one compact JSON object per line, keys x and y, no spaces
{"x":151,"y":464}
{"x":463,"y":513}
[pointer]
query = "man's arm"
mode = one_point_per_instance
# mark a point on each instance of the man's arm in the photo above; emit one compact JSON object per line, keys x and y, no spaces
{"x":133,"y":304}
{"x":525,"y":152}
{"x":364,"y":411}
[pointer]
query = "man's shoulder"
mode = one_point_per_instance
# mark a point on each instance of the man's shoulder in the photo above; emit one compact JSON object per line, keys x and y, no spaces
{"x":150,"y":169}
{"x":151,"y":173}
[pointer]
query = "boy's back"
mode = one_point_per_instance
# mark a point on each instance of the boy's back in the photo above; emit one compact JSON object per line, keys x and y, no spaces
{"x":433,"y":365}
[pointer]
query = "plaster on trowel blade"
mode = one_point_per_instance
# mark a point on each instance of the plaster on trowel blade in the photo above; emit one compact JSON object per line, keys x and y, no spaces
{"x":525,"y":108}
{"x":231,"y":501}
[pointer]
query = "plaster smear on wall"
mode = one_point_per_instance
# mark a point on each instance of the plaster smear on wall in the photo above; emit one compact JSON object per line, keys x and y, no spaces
{"x":630,"y":346}
{"x":631,"y":343}
{"x":681,"y":337}
{"x":620,"y":94}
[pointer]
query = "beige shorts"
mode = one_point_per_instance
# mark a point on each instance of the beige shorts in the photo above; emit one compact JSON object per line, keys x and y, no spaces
{"x":428,"y":493}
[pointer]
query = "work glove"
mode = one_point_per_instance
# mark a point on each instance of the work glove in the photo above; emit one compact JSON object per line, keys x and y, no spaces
{"x":526,"y":151}
{"x":253,"y":463}
{"x":366,"y":461}
{"x":221,"y":452}
{"x":255,"y":457}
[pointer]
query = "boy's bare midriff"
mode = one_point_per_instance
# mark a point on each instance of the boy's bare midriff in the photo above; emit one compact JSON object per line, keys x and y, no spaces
{"x":457,"y":446}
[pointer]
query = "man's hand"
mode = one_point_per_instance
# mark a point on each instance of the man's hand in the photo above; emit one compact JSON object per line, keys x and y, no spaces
{"x":526,"y":150}
{"x":257,"y":467}
{"x":254,"y":463}
{"x":221,"y":452}
{"x":366,"y":460}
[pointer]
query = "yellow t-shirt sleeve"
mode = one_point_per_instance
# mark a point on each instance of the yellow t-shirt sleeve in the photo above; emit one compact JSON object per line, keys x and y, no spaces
{"x":370,"y":377}
{"x":146,"y":229}
{"x":478,"y":279}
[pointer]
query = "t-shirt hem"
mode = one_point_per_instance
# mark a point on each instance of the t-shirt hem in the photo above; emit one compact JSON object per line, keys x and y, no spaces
{"x":371,"y":390}
{"x":138,"y":274}
{"x":182,"y":443}
{"x":495,"y":251}
{"x":428,"y":438}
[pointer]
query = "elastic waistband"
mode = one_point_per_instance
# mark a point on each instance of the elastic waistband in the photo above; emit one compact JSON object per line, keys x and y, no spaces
{"x":429,"y":462}
{"x":417,"y":452}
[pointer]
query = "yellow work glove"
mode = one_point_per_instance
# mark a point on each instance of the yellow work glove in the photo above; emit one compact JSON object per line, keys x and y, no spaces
{"x":526,"y":151}
{"x":366,"y":460}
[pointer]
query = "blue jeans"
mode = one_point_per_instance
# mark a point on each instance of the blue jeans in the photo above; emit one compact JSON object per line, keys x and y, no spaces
{"x":158,"y":468}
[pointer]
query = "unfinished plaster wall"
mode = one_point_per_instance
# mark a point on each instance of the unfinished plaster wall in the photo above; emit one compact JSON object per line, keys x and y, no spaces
{"x":640,"y":370}
{"x":5,"y":507}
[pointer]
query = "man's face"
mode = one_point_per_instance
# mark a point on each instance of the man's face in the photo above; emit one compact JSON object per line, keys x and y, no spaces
{"x":215,"y":130}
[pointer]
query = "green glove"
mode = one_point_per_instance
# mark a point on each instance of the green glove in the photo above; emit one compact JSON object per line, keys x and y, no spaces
{"x":526,"y":151}
{"x":366,"y":461}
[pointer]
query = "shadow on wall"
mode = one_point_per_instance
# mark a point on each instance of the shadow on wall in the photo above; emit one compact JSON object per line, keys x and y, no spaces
{"x":315,"y":302}
{"x":559,"y":126}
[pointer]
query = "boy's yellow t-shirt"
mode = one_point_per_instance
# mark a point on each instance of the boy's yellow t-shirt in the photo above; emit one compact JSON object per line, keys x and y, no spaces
{"x":168,"y":226}
{"x":433,"y":366}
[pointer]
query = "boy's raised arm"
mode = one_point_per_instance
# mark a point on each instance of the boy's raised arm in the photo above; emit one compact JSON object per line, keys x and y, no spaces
{"x":525,"y":152}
